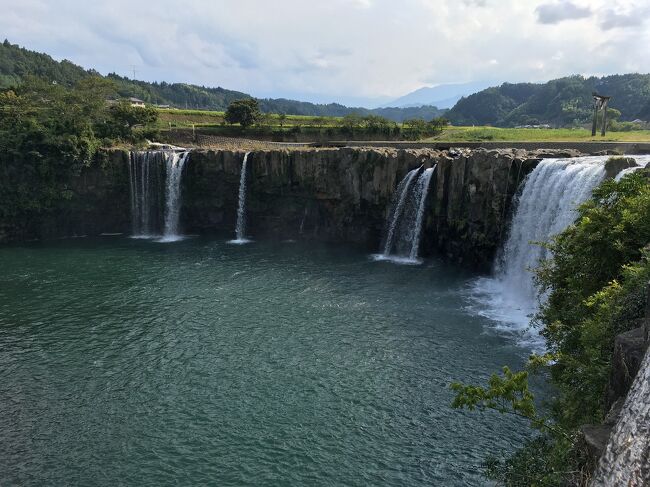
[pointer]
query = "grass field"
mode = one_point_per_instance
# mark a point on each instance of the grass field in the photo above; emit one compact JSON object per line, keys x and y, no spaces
{"x":483,"y":134}
{"x":206,"y":119}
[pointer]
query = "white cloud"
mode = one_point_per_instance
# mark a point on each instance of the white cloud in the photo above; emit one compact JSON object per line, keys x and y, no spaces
{"x":337,"y":49}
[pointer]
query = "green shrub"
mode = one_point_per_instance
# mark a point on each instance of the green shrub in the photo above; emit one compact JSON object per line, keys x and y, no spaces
{"x":596,"y":282}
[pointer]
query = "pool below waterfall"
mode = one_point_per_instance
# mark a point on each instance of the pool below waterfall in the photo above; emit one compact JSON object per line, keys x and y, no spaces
{"x":126,"y":361}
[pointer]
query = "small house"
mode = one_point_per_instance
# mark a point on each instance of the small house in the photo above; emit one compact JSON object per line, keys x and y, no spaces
{"x":136,"y":102}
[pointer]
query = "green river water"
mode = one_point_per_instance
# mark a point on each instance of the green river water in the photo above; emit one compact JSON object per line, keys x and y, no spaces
{"x":131,"y":362}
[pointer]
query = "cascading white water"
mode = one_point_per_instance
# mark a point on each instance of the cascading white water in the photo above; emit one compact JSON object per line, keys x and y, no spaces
{"x":421,"y":192}
{"x":175,"y":162}
{"x":240,"y":228}
{"x":406,"y":218}
{"x":149,"y":196}
{"x":403,"y":191}
{"x":144,"y":171}
{"x":626,"y":460}
{"x":641,"y":161}
{"x":625,"y":172}
{"x":546,"y":206}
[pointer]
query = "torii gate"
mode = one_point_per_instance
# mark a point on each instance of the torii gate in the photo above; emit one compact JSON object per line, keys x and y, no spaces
{"x":600,"y":103}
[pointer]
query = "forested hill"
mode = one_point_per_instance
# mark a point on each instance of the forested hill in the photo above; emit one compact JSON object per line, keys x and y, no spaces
{"x":561,"y":102}
{"x":17,"y":62}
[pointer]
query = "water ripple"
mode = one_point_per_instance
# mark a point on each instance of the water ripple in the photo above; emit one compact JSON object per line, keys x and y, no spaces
{"x":123,"y":361}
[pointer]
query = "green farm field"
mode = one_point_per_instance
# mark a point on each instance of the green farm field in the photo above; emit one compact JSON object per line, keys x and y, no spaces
{"x":205,"y":118}
{"x":485,"y":134}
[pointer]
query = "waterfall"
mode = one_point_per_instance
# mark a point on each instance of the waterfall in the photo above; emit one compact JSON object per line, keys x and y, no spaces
{"x":145,"y":176}
{"x":155,"y":178}
{"x":404,"y":224}
{"x":626,"y":460}
{"x":302,"y":222}
{"x":546,"y":206}
{"x":642,"y":163}
{"x":240,"y":228}
{"x":422,"y":191}
{"x":175,"y":162}
{"x":627,"y":171}
{"x":403,"y":192}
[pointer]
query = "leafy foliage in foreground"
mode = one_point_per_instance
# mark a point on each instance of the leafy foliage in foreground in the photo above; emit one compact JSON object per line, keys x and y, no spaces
{"x":597,"y":283}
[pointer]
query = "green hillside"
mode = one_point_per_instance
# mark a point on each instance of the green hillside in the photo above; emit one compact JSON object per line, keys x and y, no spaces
{"x":561,"y":103}
{"x":17,"y":62}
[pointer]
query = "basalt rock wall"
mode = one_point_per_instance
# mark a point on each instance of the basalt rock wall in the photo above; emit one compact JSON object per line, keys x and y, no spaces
{"x":344,"y":195}
{"x":96,"y":200}
{"x":335,"y":195}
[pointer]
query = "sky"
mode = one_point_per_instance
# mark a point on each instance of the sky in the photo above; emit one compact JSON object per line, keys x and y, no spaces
{"x":358,"y":52}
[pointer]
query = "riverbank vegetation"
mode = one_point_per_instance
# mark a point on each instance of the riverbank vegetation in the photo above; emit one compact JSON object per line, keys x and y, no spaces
{"x":596,"y":283}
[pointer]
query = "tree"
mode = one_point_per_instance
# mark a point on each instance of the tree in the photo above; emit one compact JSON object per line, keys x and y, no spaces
{"x":320,"y":121}
{"x":351,"y":122}
{"x":244,"y":112}
{"x":377,"y":124}
{"x":124,"y":117}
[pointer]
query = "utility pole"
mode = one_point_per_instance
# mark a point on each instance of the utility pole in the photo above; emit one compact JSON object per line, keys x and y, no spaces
{"x":133,"y":66}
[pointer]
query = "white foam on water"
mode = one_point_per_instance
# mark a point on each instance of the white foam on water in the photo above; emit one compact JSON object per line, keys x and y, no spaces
{"x":170,"y":238}
{"x":395,"y":259}
{"x":239,"y":241}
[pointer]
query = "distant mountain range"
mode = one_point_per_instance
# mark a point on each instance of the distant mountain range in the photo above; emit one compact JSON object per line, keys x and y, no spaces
{"x":441,"y":96}
{"x":17,"y":62}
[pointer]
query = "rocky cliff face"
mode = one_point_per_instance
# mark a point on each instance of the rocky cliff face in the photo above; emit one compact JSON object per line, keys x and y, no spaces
{"x":339,"y":195}
{"x":97,"y":201}
{"x":345,"y":195}
{"x":623,"y":441}
{"x":332,"y":195}
{"x":472,"y":198}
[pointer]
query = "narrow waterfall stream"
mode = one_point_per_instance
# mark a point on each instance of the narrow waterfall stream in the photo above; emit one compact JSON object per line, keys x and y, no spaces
{"x":155,"y":186}
{"x":546,"y":206}
{"x":398,"y":209}
{"x":175,"y":164}
{"x":421,"y":193}
{"x":404,"y":224}
{"x":146,"y":173}
{"x":240,"y":228}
